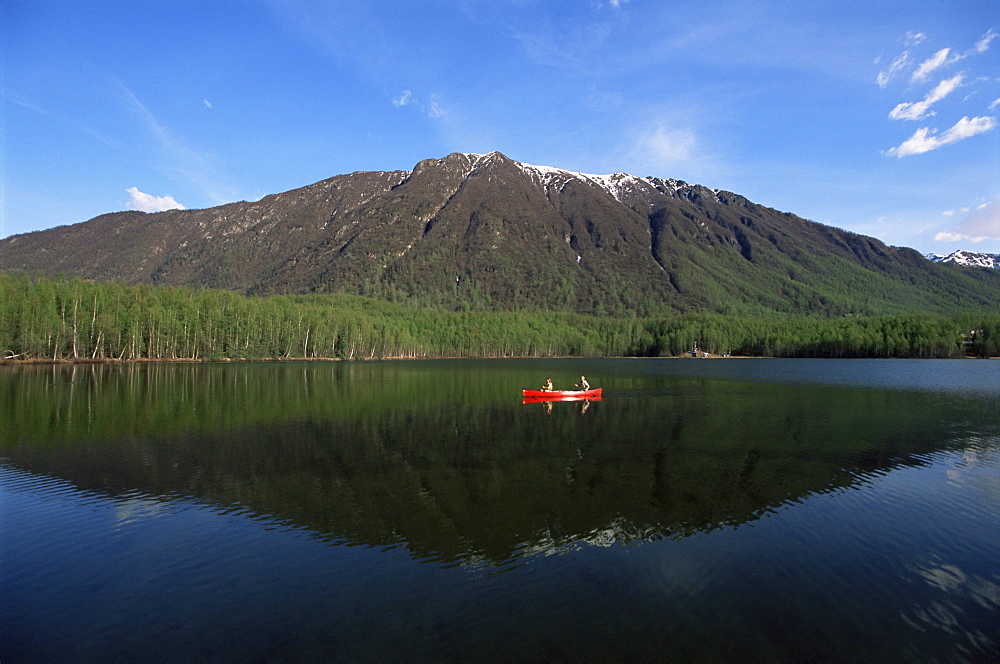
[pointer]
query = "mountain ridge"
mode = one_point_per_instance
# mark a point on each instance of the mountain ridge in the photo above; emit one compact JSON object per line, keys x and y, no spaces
{"x":485,"y":232}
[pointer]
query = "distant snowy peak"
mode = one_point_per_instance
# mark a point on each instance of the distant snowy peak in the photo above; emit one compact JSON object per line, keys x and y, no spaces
{"x":968,"y":258}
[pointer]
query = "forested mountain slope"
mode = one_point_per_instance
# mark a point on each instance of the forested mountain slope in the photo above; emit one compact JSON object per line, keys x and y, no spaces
{"x":485,"y":232}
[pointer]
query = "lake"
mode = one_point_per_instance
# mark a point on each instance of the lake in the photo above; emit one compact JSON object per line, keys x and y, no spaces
{"x":702,"y":510}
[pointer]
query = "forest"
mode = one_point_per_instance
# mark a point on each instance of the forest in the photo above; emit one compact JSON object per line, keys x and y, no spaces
{"x":45,"y":319}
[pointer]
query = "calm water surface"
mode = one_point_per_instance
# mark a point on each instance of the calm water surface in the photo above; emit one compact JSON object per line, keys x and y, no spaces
{"x":704,"y":510}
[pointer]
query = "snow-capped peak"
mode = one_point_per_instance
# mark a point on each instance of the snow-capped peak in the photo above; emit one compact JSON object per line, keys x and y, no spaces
{"x":968,"y":258}
{"x":618,"y":185}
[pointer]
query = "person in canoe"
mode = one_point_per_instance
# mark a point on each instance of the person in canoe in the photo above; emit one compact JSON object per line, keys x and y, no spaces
{"x":583,"y":384}
{"x":547,"y":387}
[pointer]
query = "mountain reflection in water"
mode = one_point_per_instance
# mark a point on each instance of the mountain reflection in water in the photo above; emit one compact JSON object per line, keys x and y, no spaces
{"x":716,"y":510}
{"x":444,"y":459}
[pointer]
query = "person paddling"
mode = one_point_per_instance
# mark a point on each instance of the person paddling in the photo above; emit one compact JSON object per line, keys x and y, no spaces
{"x":583,"y":384}
{"x":547,"y":387}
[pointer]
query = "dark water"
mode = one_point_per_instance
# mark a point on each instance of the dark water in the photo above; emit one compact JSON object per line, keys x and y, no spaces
{"x":782,"y":510}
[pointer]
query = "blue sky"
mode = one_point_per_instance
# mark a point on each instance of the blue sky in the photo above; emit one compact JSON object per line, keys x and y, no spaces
{"x":879,"y":117}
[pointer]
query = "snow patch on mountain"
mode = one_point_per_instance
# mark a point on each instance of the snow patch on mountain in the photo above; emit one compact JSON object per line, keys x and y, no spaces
{"x":968,"y":258}
{"x":619,"y":185}
{"x":616,"y":184}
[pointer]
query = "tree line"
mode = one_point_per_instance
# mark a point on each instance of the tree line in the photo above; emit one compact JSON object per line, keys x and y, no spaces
{"x":73,"y":319}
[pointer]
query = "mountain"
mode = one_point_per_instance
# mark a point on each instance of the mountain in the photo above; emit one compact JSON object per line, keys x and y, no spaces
{"x":473,"y":231}
{"x":968,"y":259}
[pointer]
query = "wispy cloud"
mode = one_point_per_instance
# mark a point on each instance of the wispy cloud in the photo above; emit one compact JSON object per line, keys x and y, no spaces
{"x":982,"y":223}
{"x":403,"y":99}
{"x":24,"y":102}
{"x":191,"y":165}
{"x":946,"y":56}
{"x":943,"y":57}
{"x":984,"y":43}
{"x":173,"y":146}
{"x":669,"y":147}
{"x":148,"y":203}
{"x":917,"y":110}
{"x":930,"y":65}
{"x":433,"y":108}
{"x":901,"y":62}
{"x":926,"y":139}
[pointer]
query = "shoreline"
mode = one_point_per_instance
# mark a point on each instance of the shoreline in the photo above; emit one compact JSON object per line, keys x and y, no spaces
{"x":13,"y":362}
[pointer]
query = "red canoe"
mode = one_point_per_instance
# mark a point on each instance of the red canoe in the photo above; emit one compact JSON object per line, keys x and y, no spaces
{"x":562,"y":394}
{"x":527,"y":400}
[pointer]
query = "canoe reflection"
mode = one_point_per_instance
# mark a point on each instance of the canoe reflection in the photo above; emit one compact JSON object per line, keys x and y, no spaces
{"x":548,"y":401}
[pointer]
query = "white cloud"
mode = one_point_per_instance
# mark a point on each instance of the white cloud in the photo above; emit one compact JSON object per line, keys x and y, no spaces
{"x":967,"y":127}
{"x":983,"y":44}
{"x":949,"y":237}
{"x":207,"y":103}
{"x":994,"y":104}
{"x":926,"y":139}
{"x":945,"y":56}
{"x":897,"y":65}
{"x":981,"y":224}
{"x":902,"y":60}
{"x":917,"y":110}
{"x":931,"y":64}
{"x":149,"y":203}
